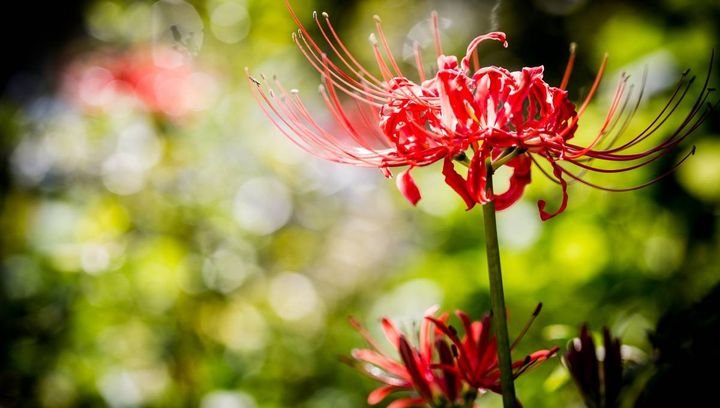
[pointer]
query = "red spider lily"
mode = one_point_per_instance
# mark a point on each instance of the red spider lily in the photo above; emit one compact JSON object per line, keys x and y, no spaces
{"x":415,"y":370}
{"x":494,"y":116}
{"x":444,"y":368}
{"x":476,"y":352}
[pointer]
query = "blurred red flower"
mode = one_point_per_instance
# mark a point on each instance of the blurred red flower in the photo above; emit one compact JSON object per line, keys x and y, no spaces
{"x":159,"y":81}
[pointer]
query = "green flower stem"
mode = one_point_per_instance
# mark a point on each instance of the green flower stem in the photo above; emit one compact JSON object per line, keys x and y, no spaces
{"x":505,"y":157}
{"x":497,"y":298}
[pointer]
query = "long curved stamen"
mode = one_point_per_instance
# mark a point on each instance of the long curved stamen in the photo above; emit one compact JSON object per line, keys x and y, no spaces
{"x":661,"y":117}
{"x":618,"y":170}
{"x":368,"y":116}
{"x":589,"y":96}
{"x":384,"y":69}
{"x":674,"y":138}
{"x":342,"y":80}
{"x":622,"y":118}
{"x":630,"y":115}
{"x":296,"y":136}
{"x":569,"y":67}
{"x":620,"y":190}
{"x":300,"y":119}
{"x":291,"y":117}
{"x":611,"y":113}
{"x":418,"y":61}
{"x":542,"y":170}
{"x":525,"y":329}
{"x":383,"y":40}
{"x":308,"y":38}
{"x":312,"y":45}
{"x":336,"y":108}
{"x":436,"y":33}
{"x":364,"y":333}
{"x":358,"y":70}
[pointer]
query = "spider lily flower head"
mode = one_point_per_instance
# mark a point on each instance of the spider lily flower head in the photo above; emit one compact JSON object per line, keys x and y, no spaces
{"x":415,"y":370}
{"x":599,"y":379}
{"x":482,"y":117}
{"x":476,"y":352}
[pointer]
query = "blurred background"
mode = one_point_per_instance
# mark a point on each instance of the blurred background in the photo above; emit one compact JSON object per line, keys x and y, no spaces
{"x":162,"y":245}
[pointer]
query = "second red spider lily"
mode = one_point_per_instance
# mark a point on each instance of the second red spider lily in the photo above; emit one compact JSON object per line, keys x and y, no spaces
{"x":476,"y":360}
{"x":443,"y":369}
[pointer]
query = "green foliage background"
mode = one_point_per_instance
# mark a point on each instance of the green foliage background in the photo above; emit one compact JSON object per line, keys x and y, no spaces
{"x":224,"y":278}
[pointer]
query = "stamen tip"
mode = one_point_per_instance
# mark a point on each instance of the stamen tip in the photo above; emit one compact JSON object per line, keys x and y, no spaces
{"x":326,"y":15}
{"x":538,"y":308}
{"x":372,"y":39}
{"x":573,"y":46}
{"x":294,"y":91}
{"x":377,"y":18}
{"x":315,"y":14}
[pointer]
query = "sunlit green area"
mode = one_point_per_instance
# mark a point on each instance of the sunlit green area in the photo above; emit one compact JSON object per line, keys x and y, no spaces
{"x":164,"y":245}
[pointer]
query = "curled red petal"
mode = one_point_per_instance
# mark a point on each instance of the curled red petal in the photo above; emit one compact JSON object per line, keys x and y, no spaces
{"x":497,"y":35}
{"x":457,"y":182}
{"x":407,"y":186}
{"x":477,"y":177}
{"x":557,"y":172}
{"x":520,"y":178}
